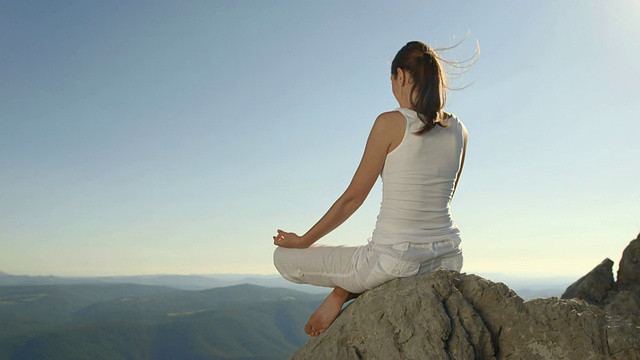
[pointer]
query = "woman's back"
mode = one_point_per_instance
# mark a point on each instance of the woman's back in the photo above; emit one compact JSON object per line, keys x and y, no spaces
{"x":418,"y":178}
{"x":420,"y":169}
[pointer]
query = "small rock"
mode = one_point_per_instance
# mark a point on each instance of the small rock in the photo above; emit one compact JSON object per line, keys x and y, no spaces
{"x":593,"y":287}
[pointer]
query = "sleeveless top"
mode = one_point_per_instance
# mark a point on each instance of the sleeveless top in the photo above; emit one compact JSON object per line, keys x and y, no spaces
{"x":417,"y":184}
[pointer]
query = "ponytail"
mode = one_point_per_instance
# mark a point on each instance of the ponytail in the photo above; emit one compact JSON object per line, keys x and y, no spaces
{"x":423,"y":64}
{"x":431,"y":88}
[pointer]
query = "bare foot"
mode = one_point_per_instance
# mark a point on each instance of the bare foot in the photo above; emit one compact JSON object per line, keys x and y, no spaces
{"x":328,"y":311}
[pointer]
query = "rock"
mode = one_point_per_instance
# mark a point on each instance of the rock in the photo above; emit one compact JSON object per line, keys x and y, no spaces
{"x":621,"y":297}
{"x":629,"y":268}
{"x":625,"y":304}
{"x":593,"y":287}
{"x":447,"y":315}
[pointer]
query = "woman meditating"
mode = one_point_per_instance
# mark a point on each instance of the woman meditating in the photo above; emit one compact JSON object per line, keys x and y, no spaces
{"x":418,"y":150}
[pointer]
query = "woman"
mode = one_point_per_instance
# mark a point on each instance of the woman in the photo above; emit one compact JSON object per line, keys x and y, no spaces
{"x":418,"y":150}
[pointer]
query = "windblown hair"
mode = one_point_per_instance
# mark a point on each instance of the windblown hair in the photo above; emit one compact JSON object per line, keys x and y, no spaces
{"x":424,"y":65}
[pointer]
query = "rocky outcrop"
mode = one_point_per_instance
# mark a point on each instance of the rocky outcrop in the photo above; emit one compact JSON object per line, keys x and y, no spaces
{"x":447,"y":315}
{"x":629,"y":269}
{"x":621,"y":297}
{"x":595,"y":286}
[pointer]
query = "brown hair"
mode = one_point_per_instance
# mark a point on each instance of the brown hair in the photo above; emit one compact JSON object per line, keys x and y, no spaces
{"x":424,"y":65}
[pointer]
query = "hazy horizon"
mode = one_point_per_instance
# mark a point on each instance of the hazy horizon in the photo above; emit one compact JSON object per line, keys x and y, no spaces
{"x":526,"y":286}
{"x":176,"y":137}
{"x":490,"y":276}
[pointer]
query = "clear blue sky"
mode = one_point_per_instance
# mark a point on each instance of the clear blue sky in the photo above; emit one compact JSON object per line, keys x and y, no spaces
{"x":142,"y":137}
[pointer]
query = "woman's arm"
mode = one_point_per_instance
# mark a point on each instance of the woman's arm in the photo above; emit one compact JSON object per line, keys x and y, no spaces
{"x":388,"y":130}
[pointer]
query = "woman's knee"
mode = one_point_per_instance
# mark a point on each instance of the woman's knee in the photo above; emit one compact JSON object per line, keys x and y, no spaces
{"x":277,"y":258}
{"x":282,"y":260}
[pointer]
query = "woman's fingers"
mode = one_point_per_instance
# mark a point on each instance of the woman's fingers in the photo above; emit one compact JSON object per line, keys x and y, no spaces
{"x":286,"y":239}
{"x":277,"y":238}
{"x":280,"y":235}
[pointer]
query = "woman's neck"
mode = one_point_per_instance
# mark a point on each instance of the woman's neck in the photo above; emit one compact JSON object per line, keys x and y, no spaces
{"x":405,"y":104}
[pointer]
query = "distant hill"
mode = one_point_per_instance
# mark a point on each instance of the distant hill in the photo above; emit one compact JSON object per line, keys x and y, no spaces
{"x":127,"y":321}
{"x":33,"y":308}
{"x":185,"y":282}
{"x":157,"y":308}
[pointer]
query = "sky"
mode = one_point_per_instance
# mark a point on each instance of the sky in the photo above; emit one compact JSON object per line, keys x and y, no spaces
{"x":148,"y":137}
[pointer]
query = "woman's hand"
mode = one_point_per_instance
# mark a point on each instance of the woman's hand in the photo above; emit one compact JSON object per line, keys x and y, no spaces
{"x":289,"y":240}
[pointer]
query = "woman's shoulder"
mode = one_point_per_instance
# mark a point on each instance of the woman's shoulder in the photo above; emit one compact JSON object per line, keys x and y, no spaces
{"x":391,"y":118}
{"x":390,"y":125}
{"x":391,"y":114}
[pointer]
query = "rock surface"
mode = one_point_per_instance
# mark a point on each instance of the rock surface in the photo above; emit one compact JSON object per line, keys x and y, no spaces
{"x":621,"y":297}
{"x":446,"y":315}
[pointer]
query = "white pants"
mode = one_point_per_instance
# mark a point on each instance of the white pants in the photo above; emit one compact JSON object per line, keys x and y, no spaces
{"x":359,"y":268}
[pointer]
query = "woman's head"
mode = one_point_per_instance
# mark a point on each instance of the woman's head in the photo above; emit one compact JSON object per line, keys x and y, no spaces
{"x":416,"y":68}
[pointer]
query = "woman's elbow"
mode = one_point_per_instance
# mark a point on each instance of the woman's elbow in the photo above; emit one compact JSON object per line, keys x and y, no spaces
{"x":353,"y":198}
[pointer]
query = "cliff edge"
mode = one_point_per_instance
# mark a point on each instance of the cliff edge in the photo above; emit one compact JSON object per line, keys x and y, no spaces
{"x":620,"y":297}
{"x":447,"y":315}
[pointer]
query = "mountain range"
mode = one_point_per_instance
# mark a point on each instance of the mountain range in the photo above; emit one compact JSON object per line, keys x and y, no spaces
{"x":228,"y":316}
{"x":526,"y":287}
{"x":185,"y":282}
{"x":130,"y":321}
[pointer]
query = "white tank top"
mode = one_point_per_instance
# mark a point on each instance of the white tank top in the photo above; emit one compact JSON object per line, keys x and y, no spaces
{"x":417,"y":184}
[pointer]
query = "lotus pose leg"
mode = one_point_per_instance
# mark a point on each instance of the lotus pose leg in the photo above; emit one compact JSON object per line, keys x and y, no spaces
{"x":328,"y":311}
